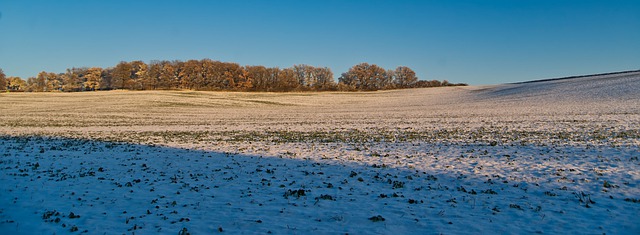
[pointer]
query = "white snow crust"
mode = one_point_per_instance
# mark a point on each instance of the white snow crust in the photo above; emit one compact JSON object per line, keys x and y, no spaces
{"x":546,"y":157}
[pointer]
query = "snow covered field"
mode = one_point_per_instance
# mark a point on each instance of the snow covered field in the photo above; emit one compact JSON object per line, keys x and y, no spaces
{"x":545,"y":157}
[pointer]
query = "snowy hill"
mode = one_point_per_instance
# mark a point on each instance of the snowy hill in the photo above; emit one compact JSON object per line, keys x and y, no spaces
{"x":621,"y":86}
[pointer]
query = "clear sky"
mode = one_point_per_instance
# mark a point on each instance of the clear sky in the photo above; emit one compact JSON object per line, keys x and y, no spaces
{"x":476,"y":42}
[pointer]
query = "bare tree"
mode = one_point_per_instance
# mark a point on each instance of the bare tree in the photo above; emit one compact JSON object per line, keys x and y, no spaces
{"x":138,"y":73}
{"x":72,"y":80}
{"x":259,"y":76}
{"x":190,"y":75}
{"x":287,"y":80}
{"x":92,"y":78}
{"x":122,"y":75}
{"x":324,"y":79}
{"x":404,"y":77}
{"x":3,"y":81}
{"x":16,"y":84}
{"x":365,"y":77}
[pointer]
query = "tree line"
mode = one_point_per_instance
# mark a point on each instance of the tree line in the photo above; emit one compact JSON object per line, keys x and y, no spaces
{"x":211,"y":75}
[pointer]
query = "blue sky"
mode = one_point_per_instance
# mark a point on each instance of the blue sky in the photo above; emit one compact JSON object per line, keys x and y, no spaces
{"x":476,"y":42}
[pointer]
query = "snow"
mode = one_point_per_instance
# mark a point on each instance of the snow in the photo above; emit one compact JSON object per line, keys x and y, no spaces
{"x":541,"y":157}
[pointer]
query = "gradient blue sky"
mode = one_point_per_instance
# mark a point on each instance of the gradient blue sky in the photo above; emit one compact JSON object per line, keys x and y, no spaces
{"x":477,"y":42}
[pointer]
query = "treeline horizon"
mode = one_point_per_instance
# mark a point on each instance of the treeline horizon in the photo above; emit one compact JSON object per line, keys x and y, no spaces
{"x":211,"y":75}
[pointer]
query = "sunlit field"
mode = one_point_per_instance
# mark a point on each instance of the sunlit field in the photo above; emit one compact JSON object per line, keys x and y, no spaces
{"x":548,"y":157}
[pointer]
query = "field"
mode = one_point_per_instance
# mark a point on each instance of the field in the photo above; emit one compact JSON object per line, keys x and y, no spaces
{"x":545,"y":157}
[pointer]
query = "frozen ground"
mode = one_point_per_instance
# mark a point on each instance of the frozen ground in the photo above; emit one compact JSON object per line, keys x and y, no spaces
{"x":544,"y":157}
